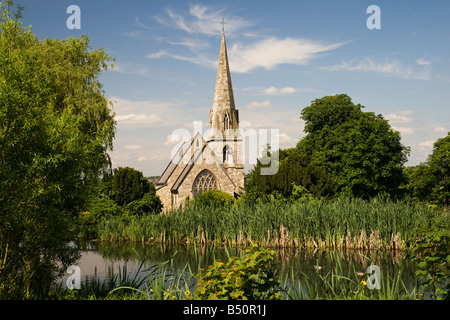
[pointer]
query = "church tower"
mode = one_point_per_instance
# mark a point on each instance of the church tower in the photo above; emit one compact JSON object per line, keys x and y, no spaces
{"x":224,"y":138}
{"x":213,"y":161}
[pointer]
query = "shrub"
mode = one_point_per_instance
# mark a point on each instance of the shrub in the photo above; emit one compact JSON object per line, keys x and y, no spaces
{"x":149,"y":203}
{"x":251,"y":277}
{"x":103,"y":207}
{"x":430,"y":248}
{"x":214,"y":198}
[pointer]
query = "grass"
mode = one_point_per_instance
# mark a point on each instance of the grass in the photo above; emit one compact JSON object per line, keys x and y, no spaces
{"x":379,"y":223}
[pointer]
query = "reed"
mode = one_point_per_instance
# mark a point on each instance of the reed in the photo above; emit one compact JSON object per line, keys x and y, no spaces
{"x":379,"y":223}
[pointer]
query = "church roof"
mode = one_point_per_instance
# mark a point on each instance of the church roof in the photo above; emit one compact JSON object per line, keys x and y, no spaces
{"x":193,"y":158}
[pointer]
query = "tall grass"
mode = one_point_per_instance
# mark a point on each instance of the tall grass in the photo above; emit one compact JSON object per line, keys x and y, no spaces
{"x":379,"y":223}
{"x":338,"y":283}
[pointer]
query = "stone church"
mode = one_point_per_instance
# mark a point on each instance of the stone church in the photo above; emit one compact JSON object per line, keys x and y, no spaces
{"x":211,"y":162}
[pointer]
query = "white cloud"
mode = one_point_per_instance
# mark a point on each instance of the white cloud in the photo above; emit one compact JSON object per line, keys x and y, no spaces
{"x":399,"y":117}
{"x":394,"y":68}
{"x":271,"y":52}
{"x":141,"y":118}
{"x":404,"y":130}
{"x":157,"y":55}
{"x":426,"y":145}
{"x":440,"y":130}
{"x":143,"y":112}
{"x":285,"y":90}
{"x":271,"y":90}
{"x":259,"y":104}
{"x":423,"y":62}
{"x":142,"y":158}
{"x":133,"y":147}
{"x":173,"y":139}
{"x":285,"y":138}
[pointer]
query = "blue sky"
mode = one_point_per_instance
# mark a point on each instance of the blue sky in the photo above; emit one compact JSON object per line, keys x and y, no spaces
{"x":283,"y":55}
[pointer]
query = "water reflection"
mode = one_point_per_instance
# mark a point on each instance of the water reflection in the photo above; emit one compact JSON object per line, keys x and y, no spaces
{"x":101,"y":260}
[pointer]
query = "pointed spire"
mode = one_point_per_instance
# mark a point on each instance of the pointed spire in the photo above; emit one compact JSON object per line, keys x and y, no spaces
{"x":223,"y":96}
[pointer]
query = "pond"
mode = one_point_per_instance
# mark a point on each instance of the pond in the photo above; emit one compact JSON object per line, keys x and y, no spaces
{"x":101,"y":260}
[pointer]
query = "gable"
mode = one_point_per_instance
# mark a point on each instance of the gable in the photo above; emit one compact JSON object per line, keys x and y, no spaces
{"x":199,"y":157}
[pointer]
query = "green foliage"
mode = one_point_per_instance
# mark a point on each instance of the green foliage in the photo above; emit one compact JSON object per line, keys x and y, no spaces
{"x":430,"y":181}
{"x":439,"y":163}
{"x":214,"y":198}
{"x":341,"y":223}
{"x":250,"y":277}
{"x":103,"y":207}
{"x":431,"y":249}
{"x":295,"y":170}
{"x":150,"y":203}
{"x":419,"y":182}
{"x":359,"y":150}
{"x":129,"y":185}
{"x":56,"y":127}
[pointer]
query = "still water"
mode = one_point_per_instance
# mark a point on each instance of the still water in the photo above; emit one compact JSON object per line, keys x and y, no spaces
{"x":101,"y":260}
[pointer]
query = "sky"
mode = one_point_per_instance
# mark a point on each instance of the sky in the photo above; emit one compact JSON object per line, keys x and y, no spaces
{"x":283,"y":55}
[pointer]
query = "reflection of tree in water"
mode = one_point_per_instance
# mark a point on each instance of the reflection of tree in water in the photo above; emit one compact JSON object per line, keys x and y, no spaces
{"x":297,"y":261}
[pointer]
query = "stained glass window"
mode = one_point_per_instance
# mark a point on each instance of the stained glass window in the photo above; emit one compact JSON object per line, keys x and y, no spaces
{"x":203,"y":182}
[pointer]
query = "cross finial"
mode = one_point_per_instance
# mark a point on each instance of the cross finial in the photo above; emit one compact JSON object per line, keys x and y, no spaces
{"x":223,"y":23}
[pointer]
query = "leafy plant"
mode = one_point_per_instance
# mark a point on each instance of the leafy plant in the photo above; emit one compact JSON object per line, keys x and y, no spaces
{"x":250,"y":277}
{"x":432,"y":252}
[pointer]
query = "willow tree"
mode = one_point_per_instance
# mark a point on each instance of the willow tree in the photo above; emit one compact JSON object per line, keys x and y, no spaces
{"x":56,"y":128}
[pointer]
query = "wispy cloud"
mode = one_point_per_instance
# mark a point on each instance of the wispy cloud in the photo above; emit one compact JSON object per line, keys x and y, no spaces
{"x":259,"y":104}
{"x":440,"y":130}
{"x":200,"y":59}
{"x":285,"y":90}
{"x":131,"y":68}
{"x":404,"y":130}
{"x":400,"y":117}
{"x":142,"y":113}
{"x":202,"y":20}
{"x":272,"y":52}
{"x":423,"y":62}
{"x":140,"y":118}
{"x":193,"y":44}
{"x":426,"y":145}
{"x":390,"y":67}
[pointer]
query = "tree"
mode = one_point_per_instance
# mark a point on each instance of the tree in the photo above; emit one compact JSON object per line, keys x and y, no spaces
{"x":430,"y":181}
{"x":129,"y":185}
{"x":296,"y":174}
{"x":359,"y":150}
{"x":150,"y":203}
{"x":56,"y":127}
{"x":439,"y":163}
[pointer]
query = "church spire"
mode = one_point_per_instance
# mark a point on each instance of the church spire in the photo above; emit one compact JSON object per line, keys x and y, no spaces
{"x":223,"y":115}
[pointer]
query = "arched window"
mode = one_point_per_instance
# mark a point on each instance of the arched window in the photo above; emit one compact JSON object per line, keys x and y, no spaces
{"x":203,"y":182}
{"x":227,"y":155}
{"x":226,"y":122}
